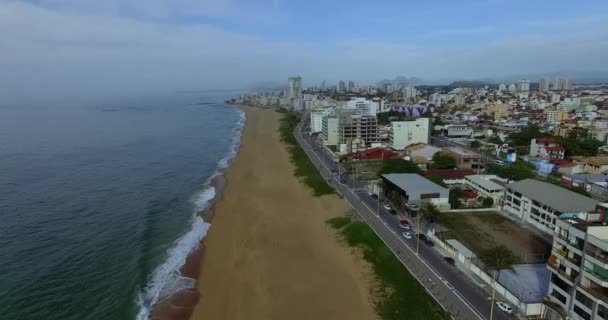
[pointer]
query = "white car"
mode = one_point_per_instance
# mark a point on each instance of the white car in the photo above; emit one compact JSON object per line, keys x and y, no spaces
{"x":405,"y":226}
{"x":504,"y":307}
{"x":407,"y":235}
{"x":386,"y":206}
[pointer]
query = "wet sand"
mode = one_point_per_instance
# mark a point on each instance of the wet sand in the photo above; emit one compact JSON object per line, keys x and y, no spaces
{"x":269,"y":253}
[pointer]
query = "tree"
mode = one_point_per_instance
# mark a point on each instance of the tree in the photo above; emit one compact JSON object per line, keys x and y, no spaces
{"x":455,"y":195}
{"x":443,"y":161}
{"x":585,"y":147}
{"x":399,"y":166}
{"x":525,"y":136}
{"x":487,"y":202}
{"x":475,"y":144}
{"x":495,"y":140}
{"x":438,"y":180}
{"x":430,"y":213}
{"x":498,"y":258}
{"x":518,"y":170}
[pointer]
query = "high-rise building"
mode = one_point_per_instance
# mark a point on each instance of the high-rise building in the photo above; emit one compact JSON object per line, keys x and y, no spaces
{"x":341,"y":87}
{"x":561,"y":84}
{"x":544,"y":84}
{"x":523,"y":85}
{"x":409,"y":92}
{"x":294,"y":87}
{"x":579,"y":265}
{"x":351,"y":86}
{"x":502,"y":87}
{"x":403,"y":133}
{"x":347,"y":127}
{"x":512,"y":87}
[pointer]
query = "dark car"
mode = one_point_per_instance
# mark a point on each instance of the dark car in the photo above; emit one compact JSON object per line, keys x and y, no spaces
{"x":449,"y":260}
{"x":422,"y":237}
{"x":375,"y":196}
{"x":393,"y":211}
{"x":429,"y":243}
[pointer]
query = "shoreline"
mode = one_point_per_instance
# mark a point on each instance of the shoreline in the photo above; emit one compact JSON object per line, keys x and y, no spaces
{"x":180,"y":305}
{"x":239,"y":268}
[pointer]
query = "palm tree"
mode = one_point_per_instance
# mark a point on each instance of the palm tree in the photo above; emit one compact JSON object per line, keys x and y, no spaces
{"x":498,"y":258}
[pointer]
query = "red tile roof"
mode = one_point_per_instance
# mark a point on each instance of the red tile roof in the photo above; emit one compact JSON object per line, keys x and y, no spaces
{"x":545,"y":140}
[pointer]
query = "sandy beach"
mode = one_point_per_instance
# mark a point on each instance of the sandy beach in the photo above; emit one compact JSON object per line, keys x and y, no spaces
{"x":269,"y":253}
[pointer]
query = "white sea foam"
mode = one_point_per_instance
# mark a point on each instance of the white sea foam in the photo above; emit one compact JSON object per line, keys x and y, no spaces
{"x":167,"y":280}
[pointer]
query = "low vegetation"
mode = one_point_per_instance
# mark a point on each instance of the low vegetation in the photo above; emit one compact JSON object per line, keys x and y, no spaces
{"x":518,"y":170}
{"x":397,"y":295}
{"x":304,"y":168}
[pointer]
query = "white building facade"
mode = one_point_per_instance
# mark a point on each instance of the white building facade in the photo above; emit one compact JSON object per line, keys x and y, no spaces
{"x":404,"y":133}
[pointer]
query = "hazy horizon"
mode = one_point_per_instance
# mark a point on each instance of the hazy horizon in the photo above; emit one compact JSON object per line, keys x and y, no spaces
{"x":121,"y":46}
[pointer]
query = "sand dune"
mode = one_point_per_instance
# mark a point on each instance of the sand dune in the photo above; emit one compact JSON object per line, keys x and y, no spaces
{"x":269,"y":254}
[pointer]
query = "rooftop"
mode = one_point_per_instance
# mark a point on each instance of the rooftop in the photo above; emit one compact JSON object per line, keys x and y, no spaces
{"x":415,"y":184}
{"x":485,"y":181}
{"x":461,"y":151}
{"x":556,"y":197}
{"x":597,"y":161}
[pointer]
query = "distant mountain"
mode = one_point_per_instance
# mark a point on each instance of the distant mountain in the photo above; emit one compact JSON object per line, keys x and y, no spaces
{"x":469,"y":84}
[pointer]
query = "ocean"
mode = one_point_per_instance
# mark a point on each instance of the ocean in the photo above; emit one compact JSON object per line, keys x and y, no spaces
{"x":98,"y":200}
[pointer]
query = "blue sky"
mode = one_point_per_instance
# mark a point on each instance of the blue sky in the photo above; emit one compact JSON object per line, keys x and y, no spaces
{"x":126,"y":45}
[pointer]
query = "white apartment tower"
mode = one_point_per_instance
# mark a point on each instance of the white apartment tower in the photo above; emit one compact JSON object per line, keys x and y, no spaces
{"x":409,"y":92}
{"x":523,"y":85}
{"x":403,"y":133}
{"x":294,"y":87}
{"x":544,"y":84}
{"x":579,"y":266}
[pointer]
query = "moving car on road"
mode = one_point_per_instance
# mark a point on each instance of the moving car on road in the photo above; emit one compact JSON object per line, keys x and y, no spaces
{"x":429,"y":243}
{"x":405,"y":226}
{"x":422,"y":237}
{"x":504,"y":307}
{"x":386,"y":206}
{"x":449,"y":260}
{"x":407,"y":235}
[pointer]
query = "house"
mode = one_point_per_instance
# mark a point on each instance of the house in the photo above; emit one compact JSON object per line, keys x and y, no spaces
{"x":567,"y":167}
{"x":546,"y":148}
{"x":598,"y":164}
{"x":421,"y":154}
{"x":594,"y":183}
{"x":407,"y":188}
{"x":541,"y":203}
{"x":579,"y":265}
{"x":464,"y":159}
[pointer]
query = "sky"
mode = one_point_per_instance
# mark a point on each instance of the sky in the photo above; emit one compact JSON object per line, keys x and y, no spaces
{"x":138,"y":45}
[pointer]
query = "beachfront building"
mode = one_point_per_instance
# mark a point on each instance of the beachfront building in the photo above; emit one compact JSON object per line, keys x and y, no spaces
{"x":349,"y":130}
{"x":540,"y":203}
{"x":411,"y":188}
{"x":579,"y":265}
{"x":404,"y":133}
{"x":294,"y":86}
{"x":316,"y":121}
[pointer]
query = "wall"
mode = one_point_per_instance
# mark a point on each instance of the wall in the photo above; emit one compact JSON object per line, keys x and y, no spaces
{"x":528,"y":309}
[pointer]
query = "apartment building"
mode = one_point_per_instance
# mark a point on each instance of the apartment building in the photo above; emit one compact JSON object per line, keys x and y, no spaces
{"x":350,"y":129}
{"x":457,"y":130}
{"x":579,"y":266}
{"x":404,"y":133}
{"x":541,"y":203}
{"x":486,"y":185}
{"x":555,"y":116}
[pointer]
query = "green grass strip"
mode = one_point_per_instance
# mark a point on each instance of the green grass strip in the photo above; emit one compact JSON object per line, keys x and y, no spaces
{"x":304,"y":168}
{"x":397,"y":295}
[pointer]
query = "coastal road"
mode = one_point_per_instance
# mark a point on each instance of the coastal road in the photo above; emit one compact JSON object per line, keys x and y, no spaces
{"x":451,"y":288}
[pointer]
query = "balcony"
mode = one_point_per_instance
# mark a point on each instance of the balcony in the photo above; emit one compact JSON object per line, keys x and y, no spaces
{"x":569,"y":277}
{"x":560,"y":251}
{"x":596,"y":277}
{"x":597,"y":293}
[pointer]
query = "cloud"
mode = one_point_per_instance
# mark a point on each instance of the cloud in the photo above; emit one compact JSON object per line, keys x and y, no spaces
{"x":55,"y":50}
{"x":460,"y":31}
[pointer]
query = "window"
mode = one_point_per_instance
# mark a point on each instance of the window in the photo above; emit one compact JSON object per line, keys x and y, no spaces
{"x":584,"y":300}
{"x":581,"y":313}
{"x":558,"y":296}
